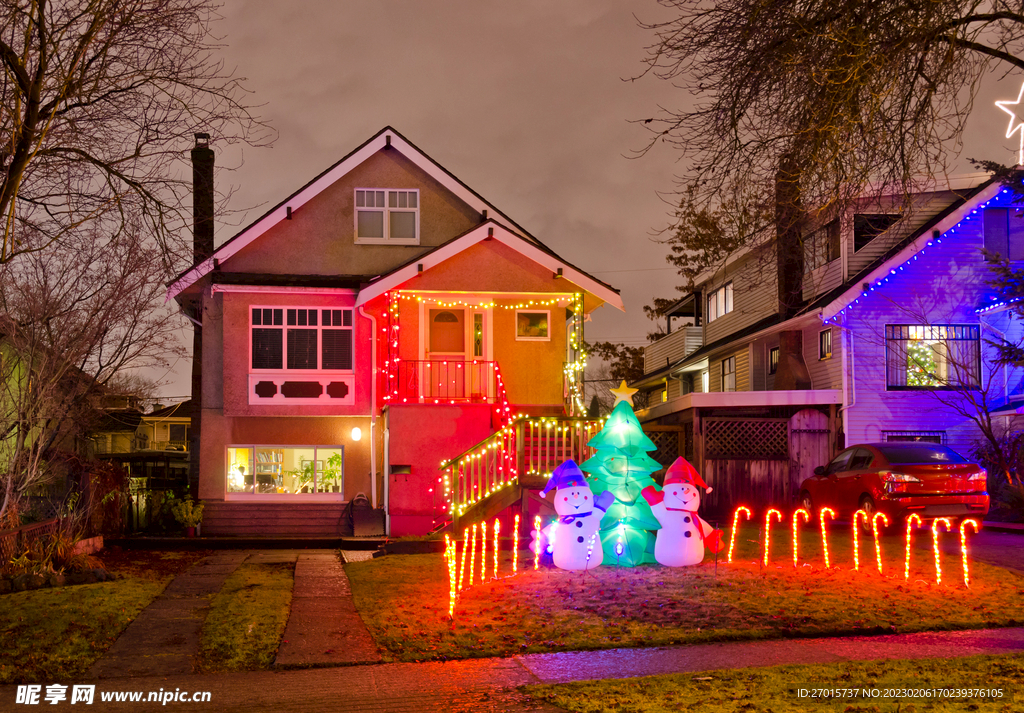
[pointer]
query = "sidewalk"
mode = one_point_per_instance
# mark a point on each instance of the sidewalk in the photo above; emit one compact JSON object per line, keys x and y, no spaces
{"x":490,"y":684}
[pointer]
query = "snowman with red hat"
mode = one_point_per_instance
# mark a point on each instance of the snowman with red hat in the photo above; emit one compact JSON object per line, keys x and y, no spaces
{"x":683,"y":535}
{"x":573,"y":539}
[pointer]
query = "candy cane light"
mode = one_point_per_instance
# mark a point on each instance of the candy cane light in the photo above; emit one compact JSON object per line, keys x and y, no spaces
{"x":735,"y":523}
{"x":472,"y":554}
{"x":515,"y":546}
{"x":878,"y":542}
{"x":910,"y":528}
{"x":463,"y":558}
{"x":767,"y":531}
{"x":483,"y":551}
{"x":963,"y":547}
{"x":497,"y":529}
{"x":944,"y":521}
{"x":536,"y":541}
{"x":797,"y":514}
{"x":856,"y":536}
{"x":824,"y":532}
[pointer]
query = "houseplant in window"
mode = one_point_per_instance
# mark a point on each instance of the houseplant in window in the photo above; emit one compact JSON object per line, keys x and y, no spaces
{"x":189,"y":515}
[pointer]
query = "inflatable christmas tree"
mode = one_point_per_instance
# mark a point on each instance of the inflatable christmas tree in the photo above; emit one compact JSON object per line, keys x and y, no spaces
{"x":622,"y":467}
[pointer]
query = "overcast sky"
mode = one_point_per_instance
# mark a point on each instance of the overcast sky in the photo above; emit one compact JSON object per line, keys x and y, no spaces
{"x":527,"y":102}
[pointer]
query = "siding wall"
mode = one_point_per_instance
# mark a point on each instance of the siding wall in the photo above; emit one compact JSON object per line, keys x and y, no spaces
{"x":825,"y":373}
{"x":755,"y":295}
{"x":942,"y":287}
{"x":672,"y":347}
{"x":742,"y":354}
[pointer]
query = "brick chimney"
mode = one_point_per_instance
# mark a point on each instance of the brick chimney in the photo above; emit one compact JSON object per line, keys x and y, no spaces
{"x":791,"y":374}
{"x":202,"y":248}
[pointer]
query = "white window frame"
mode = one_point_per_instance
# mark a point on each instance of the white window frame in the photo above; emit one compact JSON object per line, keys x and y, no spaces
{"x":545,"y":312}
{"x":777,"y":353}
{"x":386,"y":210}
{"x":720,"y":302}
{"x":822,"y":354}
{"x":284,"y":327}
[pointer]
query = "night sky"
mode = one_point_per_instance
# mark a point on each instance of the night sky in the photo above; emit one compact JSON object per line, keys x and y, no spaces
{"x":530,"y":103}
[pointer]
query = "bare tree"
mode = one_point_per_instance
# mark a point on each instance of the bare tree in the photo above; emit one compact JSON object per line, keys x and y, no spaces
{"x":73,"y":319}
{"x":99,"y":100}
{"x":813,"y":104}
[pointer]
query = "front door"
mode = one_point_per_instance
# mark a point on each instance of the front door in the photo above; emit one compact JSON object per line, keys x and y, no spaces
{"x":454,"y":339}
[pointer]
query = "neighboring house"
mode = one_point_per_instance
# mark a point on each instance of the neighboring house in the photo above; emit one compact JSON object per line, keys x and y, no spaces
{"x":382,"y":319}
{"x":148,"y":445}
{"x":889,"y":344}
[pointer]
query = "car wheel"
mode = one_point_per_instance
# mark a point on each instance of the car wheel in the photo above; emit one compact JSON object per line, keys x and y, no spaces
{"x":867,"y":504}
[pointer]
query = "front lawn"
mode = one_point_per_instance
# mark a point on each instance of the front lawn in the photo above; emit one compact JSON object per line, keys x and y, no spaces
{"x":403,"y":600}
{"x":247,"y":618}
{"x":863,"y":687}
{"x":50,"y":635}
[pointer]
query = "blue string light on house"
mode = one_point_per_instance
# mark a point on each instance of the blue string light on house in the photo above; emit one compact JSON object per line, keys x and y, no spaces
{"x":997,"y":201}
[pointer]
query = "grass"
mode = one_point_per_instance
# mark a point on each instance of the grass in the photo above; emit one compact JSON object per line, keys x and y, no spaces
{"x":247,"y":618}
{"x":404,"y":599}
{"x":776,"y":689}
{"x":49,"y":635}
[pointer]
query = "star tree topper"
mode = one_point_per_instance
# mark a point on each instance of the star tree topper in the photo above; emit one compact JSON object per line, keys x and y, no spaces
{"x":1016,"y":125}
{"x":623,"y":393}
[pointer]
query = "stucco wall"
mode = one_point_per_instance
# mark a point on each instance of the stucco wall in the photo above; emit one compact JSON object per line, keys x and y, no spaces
{"x":320,"y":237}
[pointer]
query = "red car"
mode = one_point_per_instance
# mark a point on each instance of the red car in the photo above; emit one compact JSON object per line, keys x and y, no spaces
{"x":898,"y":479}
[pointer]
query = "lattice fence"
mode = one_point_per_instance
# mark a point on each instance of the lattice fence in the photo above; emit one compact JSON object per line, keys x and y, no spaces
{"x":668,"y":446}
{"x":754,"y":439}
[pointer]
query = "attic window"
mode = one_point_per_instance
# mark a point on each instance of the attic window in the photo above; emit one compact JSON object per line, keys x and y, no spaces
{"x":387,"y":217}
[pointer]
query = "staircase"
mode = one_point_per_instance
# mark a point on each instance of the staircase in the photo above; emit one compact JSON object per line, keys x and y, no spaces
{"x":503,"y":469}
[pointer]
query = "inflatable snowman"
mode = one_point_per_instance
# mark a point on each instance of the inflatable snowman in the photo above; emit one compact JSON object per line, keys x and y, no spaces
{"x":574,"y":539}
{"x":683,"y":535}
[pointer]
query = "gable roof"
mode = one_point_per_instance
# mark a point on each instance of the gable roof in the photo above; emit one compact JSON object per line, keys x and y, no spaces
{"x":491,"y":230}
{"x":383,"y":139}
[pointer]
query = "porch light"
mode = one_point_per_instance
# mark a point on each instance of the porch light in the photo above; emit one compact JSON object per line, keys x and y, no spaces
{"x":356,"y":433}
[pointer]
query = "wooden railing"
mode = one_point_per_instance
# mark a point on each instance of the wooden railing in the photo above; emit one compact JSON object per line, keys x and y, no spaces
{"x":446,"y":381}
{"x":523,"y":453}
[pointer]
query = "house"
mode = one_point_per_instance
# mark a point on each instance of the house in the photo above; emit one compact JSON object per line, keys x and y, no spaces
{"x":888,"y":344}
{"x":379,"y":321}
{"x":149,"y":445}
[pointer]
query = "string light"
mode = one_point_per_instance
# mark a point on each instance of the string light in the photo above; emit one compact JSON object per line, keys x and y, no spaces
{"x":797,"y":514}
{"x":483,"y":551}
{"x":910,"y":527}
{"x":476,"y":303}
{"x":536,"y":542}
{"x":449,"y":554}
{"x":515,"y":546}
{"x":472,"y":554}
{"x":735,"y":523}
{"x":944,"y":521}
{"x":878,"y":541}
{"x":963,"y":547}
{"x":767,"y":531}
{"x":497,"y":529}
{"x":824,"y":532}
{"x":856,"y":539}
{"x":463,"y":558}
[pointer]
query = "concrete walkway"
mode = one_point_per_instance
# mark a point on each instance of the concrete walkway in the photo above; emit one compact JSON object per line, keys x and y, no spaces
{"x":324,"y":628}
{"x":164,"y":638}
{"x":490,"y":684}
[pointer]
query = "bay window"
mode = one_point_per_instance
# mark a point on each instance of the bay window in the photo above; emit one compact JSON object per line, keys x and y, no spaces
{"x":930,"y":356}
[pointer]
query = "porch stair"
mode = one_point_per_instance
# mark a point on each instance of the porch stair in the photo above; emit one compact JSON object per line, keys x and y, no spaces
{"x":235,"y":519}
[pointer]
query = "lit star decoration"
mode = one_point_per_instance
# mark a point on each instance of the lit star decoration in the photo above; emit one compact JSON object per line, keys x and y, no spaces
{"x":1016,"y":126}
{"x":623,"y":393}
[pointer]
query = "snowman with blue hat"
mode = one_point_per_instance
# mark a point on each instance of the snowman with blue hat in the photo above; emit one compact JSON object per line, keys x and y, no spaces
{"x":574,"y":540}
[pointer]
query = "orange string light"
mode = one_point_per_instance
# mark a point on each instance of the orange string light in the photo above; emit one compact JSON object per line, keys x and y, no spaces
{"x":824,"y":532}
{"x":462,"y":558}
{"x":497,"y":529}
{"x":963,"y":547}
{"x":878,"y":542}
{"x":797,"y":514}
{"x":735,"y":524}
{"x":483,"y":551}
{"x":935,"y":544}
{"x":472,"y":554}
{"x":856,"y":537}
{"x":449,"y":555}
{"x":515,"y":546}
{"x":536,"y":541}
{"x":767,"y":531}
{"x":910,"y":528}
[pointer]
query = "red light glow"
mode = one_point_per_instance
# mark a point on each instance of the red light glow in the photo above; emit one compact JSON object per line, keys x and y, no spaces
{"x":767,"y":531}
{"x":735,"y":524}
{"x":856,"y":536}
{"x":797,"y":514}
{"x":944,"y":521}
{"x":910,"y":528}
{"x":824,"y":532}
{"x":963,"y":547}
{"x":878,"y":542}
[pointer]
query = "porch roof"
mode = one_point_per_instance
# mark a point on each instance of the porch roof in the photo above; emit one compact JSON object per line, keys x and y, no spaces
{"x":742,"y":399}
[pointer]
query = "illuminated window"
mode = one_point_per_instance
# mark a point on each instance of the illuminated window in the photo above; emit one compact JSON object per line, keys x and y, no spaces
{"x":773,"y":360}
{"x":720,"y":302}
{"x":928,"y":356}
{"x":301,"y":339}
{"x":386,"y":216}
{"x":285,"y":470}
{"x":825,"y":344}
